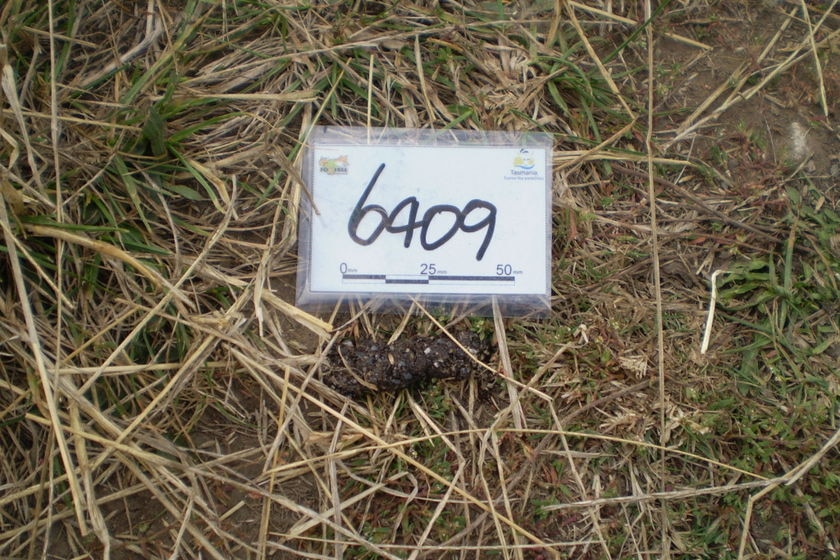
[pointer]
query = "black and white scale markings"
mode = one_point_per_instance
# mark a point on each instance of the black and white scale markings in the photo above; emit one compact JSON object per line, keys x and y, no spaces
{"x":424,"y":279}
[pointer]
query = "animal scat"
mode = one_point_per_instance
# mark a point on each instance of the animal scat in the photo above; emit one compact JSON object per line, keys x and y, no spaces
{"x":353,"y":368}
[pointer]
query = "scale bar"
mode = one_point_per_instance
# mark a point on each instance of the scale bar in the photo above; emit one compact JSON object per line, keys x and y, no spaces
{"x":407,"y":279}
{"x":475,"y":278}
{"x":363,"y":277}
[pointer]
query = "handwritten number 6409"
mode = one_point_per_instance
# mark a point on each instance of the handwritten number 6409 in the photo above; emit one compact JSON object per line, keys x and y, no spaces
{"x":412,"y":206}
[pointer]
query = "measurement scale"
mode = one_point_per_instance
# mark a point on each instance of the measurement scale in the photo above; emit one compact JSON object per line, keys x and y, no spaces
{"x":392,"y":279}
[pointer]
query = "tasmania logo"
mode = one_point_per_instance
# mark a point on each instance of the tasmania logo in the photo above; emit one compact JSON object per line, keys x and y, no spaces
{"x":334,"y":166}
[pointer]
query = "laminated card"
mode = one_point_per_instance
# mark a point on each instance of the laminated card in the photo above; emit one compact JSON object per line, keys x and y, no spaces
{"x":438,"y":217}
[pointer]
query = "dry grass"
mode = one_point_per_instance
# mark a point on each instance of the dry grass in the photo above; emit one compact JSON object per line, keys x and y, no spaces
{"x":160,"y":394}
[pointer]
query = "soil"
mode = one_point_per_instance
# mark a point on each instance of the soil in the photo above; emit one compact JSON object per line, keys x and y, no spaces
{"x":762,"y":139}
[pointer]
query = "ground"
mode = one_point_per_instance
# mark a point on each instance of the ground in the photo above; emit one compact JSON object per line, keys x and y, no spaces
{"x":162,"y":397}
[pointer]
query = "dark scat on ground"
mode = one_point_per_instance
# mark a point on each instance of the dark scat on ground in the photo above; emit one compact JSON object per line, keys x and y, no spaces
{"x":356,"y":368}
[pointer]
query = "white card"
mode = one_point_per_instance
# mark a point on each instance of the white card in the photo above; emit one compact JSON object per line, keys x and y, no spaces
{"x":443,"y":219}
